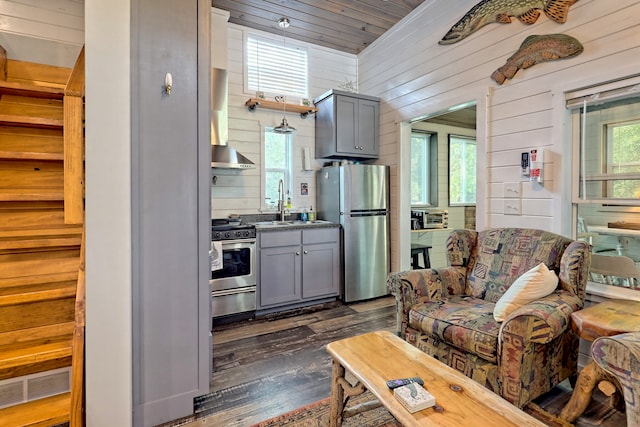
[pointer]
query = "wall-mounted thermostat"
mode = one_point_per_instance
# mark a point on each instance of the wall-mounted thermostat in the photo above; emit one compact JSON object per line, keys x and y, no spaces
{"x":524,"y":164}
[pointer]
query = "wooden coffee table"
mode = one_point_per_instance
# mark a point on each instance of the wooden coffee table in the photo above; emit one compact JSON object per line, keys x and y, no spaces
{"x":376,"y":357}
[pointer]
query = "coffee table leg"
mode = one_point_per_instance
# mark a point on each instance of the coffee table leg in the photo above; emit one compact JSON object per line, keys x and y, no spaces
{"x":589,"y":377}
{"x":337,"y":395}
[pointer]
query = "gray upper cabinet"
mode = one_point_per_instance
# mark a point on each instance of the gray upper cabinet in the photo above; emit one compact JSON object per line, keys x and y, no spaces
{"x":170,"y":168}
{"x":347,"y":126}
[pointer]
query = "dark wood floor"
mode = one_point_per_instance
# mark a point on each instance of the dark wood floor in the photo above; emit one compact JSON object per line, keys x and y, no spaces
{"x":265,"y":367}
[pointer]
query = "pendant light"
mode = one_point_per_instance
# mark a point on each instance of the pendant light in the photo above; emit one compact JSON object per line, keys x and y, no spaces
{"x":284,"y":125}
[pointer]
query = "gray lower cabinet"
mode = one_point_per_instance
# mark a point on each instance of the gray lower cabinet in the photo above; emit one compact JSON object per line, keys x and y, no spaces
{"x":347,"y":125}
{"x":297,"y":267}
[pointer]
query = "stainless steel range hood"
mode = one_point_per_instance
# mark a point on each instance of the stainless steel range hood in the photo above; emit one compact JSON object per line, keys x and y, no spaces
{"x":222,"y":155}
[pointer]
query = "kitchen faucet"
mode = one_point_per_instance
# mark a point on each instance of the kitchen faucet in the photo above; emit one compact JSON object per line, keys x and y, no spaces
{"x":281,"y":204}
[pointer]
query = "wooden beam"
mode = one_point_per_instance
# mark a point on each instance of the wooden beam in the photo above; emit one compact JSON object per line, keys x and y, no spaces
{"x":3,"y":63}
{"x":75,"y":84}
{"x":77,"y":352}
{"x":73,"y":160}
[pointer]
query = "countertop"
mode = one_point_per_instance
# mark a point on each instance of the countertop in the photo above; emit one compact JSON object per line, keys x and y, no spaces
{"x":292,"y":225}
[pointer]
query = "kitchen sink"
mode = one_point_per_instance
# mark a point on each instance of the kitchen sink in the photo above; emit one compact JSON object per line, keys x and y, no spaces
{"x":292,"y":222}
{"x":273,"y":223}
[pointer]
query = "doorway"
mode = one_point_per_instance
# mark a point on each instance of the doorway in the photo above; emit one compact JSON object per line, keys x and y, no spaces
{"x":439,"y":171}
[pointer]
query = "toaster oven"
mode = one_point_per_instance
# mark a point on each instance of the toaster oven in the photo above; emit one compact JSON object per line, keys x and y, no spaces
{"x":422,"y":219}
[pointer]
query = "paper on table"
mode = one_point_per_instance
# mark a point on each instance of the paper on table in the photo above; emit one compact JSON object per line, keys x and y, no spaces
{"x":216,"y":256}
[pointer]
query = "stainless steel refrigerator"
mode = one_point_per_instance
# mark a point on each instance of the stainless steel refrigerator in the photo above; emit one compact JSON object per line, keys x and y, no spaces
{"x":357,"y":197}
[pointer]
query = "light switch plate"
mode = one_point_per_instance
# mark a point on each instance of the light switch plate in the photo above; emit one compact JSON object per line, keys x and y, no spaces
{"x":512,"y":190}
{"x":512,"y":207}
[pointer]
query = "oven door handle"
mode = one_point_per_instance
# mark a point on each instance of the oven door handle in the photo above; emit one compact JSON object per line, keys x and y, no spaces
{"x":233,"y":291}
{"x":234,"y":242}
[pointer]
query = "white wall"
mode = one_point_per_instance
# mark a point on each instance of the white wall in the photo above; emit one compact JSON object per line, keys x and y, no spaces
{"x":108,"y":214}
{"x":53,"y":32}
{"x":240,"y":191}
{"x":415,"y":76}
{"x":43,"y":31}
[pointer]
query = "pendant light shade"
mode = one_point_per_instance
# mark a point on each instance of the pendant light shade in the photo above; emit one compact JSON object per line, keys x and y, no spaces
{"x":284,"y":125}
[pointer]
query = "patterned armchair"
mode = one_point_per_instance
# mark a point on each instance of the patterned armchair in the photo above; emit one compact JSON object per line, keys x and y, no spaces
{"x":619,"y":355}
{"x":448,"y":312}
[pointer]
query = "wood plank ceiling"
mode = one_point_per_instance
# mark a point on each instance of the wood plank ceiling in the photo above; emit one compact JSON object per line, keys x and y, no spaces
{"x":345,"y":25}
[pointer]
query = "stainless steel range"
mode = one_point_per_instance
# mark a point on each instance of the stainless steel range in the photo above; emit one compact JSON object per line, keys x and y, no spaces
{"x":233,"y":287}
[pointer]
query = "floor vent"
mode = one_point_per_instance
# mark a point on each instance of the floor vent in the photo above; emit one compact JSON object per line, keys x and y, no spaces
{"x":35,"y":386}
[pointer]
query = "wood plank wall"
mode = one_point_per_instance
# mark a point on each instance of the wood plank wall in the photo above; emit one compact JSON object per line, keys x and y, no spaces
{"x":415,"y":76}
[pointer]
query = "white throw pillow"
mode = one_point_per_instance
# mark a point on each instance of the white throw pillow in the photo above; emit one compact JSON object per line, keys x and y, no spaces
{"x":532,"y":285}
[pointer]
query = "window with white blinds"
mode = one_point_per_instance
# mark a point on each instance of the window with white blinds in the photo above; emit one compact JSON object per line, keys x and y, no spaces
{"x":606,"y":124}
{"x":605,"y":133}
{"x":276,"y":68}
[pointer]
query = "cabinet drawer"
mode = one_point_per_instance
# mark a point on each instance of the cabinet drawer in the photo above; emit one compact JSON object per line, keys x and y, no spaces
{"x":280,"y":238}
{"x":320,"y":235}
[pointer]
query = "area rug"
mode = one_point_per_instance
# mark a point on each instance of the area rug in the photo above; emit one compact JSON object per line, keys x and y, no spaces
{"x":317,"y":415}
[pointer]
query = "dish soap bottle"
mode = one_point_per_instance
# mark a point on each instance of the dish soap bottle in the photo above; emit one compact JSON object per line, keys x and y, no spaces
{"x":312,"y":214}
{"x":288,"y":200}
{"x":304,"y":216}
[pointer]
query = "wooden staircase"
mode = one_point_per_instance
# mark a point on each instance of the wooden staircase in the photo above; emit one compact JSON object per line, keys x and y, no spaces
{"x":41,"y":270}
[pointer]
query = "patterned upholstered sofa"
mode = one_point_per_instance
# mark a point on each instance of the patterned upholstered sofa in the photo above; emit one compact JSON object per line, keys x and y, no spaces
{"x":448,"y":312}
{"x":620,"y":356}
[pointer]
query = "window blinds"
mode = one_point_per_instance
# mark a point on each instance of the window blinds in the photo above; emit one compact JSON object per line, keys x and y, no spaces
{"x":276,"y":69}
{"x":603,"y":93}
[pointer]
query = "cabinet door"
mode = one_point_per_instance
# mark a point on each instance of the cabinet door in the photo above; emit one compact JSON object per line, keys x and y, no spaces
{"x":368,"y":124}
{"x":279,"y":275}
{"x":320,"y":270}
{"x":346,"y":124}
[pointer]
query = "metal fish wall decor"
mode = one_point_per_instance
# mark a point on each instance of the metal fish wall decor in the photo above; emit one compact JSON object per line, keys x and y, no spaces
{"x":537,"y":49}
{"x":501,"y":11}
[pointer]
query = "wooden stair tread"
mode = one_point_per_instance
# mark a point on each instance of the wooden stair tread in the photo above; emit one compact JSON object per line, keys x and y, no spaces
{"x":29,"y":265}
{"x":38,"y":413}
{"x":38,"y":333}
{"x":23,"y":195}
{"x":46,"y":236}
{"x":28,"y":143}
{"x":39,"y":279}
{"x":26,"y":155}
{"x":30,"y":121}
{"x":41,"y":230}
{"x":30,"y":89}
{"x":39,"y":352}
{"x":43,"y":242}
{"x":13,"y":105}
{"x":33,"y":293}
{"x":35,"y":73}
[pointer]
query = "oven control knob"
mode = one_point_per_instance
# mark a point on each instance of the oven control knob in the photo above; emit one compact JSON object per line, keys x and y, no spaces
{"x":246,"y":233}
{"x":216,"y":235}
{"x":227,"y":235}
